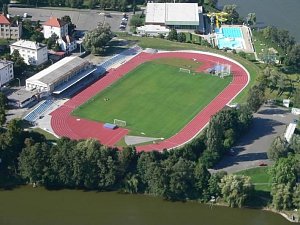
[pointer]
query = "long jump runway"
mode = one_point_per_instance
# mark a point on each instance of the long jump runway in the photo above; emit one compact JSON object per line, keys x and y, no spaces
{"x":64,"y":124}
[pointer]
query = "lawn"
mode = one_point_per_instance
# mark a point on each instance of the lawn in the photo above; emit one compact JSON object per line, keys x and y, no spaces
{"x":259,"y":177}
{"x":163,"y":44}
{"x":155,"y":98}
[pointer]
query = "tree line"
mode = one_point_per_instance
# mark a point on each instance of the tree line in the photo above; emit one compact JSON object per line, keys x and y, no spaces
{"x":179,"y":174}
{"x":285,"y":173}
{"x":120,"y":5}
{"x":290,"y":49}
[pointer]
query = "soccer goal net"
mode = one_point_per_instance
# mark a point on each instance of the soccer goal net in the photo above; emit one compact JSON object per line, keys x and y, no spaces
{"x":120,"y":123}
{"x":184,"y":70}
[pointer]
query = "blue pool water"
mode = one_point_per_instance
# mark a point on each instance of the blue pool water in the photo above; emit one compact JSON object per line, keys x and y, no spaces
{"x":232,"y":32}
{"x":230,"y":37}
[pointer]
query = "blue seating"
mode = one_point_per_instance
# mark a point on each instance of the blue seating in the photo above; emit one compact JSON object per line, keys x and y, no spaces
{"x":38,"y":111}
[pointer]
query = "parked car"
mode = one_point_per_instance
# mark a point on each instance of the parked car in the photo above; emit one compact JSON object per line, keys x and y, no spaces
{"x":262,"y":164}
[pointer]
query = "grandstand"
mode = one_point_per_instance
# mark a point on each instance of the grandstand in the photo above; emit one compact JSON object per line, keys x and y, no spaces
{"x":60,"y":76}
{"x":38,"y":111}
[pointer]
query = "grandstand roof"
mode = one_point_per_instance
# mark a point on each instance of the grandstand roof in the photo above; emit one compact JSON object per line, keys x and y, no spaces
{"x":173,"y":13}
{"x":58,"y":70}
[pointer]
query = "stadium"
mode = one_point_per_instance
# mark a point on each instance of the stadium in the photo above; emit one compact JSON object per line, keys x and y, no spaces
{"x":155,"y":101}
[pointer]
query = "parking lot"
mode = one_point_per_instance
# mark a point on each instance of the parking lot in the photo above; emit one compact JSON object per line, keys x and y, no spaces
{"x":84,"y":20}
{"x":251,"y":151}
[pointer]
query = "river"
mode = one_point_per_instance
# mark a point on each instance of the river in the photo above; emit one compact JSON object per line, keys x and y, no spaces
{"x":280,"y":13}
{"x":37,"y":206}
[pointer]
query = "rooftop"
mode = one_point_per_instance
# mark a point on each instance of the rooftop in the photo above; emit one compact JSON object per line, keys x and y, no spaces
{"x":20,"y":95}
{"x":4,"y":20}
{"x":171,"y":13}
{"x":5,"y":63}
{"x":28,"y":44}
{"x":59,"y":69}
{"x":54,"y":22}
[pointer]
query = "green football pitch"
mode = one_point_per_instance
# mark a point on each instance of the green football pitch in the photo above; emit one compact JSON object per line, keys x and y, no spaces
{"x":155,"y":98}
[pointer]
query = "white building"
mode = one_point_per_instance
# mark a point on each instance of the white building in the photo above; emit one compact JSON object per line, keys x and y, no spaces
{"x":61,"y":75}
{"x":60,"y":28}
{"x":152,"y":30}
{"x":32,"y":53}
{"x":182,"y":16}
{"x":67,"y":43}
{"x":6,"y":71}
{"x":55,"y":25}
{"x":9,"y":29}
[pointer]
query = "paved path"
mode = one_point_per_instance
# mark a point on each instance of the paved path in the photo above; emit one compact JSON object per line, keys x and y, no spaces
{"x":269,"y":122}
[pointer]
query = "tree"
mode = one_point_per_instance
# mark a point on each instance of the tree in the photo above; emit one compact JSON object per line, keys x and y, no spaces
{"x":251,"y":19}
{"x":202,"y":177}
{"x":179,"y":180}
{"x":278,"y":149}
{"x":256,"y":97}
{"x":137,"y":20}
{"x":293,"y":57}
{"x":233,"y":15}
{"x":51,"y":42}
{"x":181,"y":37}
{"x":236,"y":189}
{"x":296,"y":102}
{"x":282,"y":196}
{"x":71,"y":26}
{"x":33,"y":161}
{"x":5,"y":9}
{"x":97,"y":39}
{"x":211,"y":3}
{"x":19,"y":64}
{"x":296,"y":196}
{"x":172,"y":36}
{"x":214,"y":189}
{"x":284,"y":171}
{"x":295,"y":143}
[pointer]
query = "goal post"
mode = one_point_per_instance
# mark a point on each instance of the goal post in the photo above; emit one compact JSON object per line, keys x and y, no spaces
{"x":120,"y":123}
{"x":184,"y":70}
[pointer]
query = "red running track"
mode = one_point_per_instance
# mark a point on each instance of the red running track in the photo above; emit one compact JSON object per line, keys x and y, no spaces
{"x":64,"y":124}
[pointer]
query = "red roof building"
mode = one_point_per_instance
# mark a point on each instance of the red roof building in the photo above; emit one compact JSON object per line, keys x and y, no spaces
{"x":4,"y":20}
{"x":55,"y":22}
{"x":8,"y":29}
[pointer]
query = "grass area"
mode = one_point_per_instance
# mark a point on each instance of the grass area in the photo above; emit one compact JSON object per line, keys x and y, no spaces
{"x":163,"y":44}
{"x":262,"y":186}
{"x":155,"y":98}
{"x":259,"y":176}
{"x":262,"y":45}
{"x":48,"y":136}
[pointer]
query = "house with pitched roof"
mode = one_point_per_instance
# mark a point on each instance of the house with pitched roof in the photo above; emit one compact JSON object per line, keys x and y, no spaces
{"x":9,"y":29}
{"x":55,"y":25}
{"x":60,"y":28}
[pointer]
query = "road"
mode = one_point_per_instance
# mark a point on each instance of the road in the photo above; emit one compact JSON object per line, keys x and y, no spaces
{"x":269,"y":122}
{"x":84,"y":19}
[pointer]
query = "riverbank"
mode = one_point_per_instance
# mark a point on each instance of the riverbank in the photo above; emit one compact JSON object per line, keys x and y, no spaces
{"x":76,"y":207}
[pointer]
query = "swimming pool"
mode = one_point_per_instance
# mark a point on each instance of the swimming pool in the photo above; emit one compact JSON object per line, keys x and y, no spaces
{"x":230,"y":37}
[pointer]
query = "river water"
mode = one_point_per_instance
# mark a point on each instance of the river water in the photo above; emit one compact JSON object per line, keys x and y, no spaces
{"x":284,"y":14}
{"x":37,"y":206}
